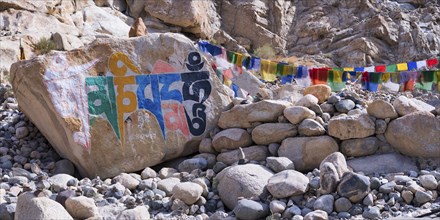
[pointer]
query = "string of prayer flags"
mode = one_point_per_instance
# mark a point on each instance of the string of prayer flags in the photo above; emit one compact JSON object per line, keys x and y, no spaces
{"x":394,"y":76}
{"x":359,"y":69}
{"x":228,"y":74}
{"x":391,"y":81}
{"x":370,"y":69}
{"x":319,"y":75}
{"x":323,"y":75}
{"x":235,"y":88}
{"x":239,"y":60}
{"x":255,"y":63}
{"x":408,"y":78}
{"x":302,"y":77}
{"x":246,"y":62}
{"x":280,"y":69}
{"x":364,"y":80}
{"x":381,"y":69}
{"x":209,"y":48}
{"x":402,"y":66}
{"x":336,"y":80}
{"x":302,"y":72}
{"x":421,"y":64}
{"x":268,"y":69}
{"x":223,"y":55}
{"x":432,"y":62}
{"x":412,"y":65}
{"x":272,"y":70}
{"x":231,"y":56}
{"x":354,"y":76}
{"x":425,"y":80}
{"x":287,"y":79}
{"x":287,"y":71}
{"x":438,"y":79}
{"x":374,"y":81}
{"x":391,"y":68}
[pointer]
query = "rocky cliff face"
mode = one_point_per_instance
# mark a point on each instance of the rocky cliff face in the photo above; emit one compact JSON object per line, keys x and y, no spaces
{"x":337,"y":33}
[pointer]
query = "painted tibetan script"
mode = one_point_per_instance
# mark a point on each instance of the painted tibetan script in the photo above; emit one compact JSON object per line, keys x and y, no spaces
{"x":175,"y":99}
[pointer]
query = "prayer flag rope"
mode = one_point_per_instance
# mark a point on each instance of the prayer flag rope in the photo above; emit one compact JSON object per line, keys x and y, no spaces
{"x":400,"y":76}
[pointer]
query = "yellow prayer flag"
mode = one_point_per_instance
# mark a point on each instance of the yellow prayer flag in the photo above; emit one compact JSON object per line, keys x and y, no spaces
{"x":227,"y":81}
{"x":402,"y":66}
{"x":239,"y":59}
{"x":386,"y":77}
{"x":349,"y":69}
{"x":289,"y":70}
{"x":337,"y":76}
{"x":268,"y":70}
{"x":272,"y":71}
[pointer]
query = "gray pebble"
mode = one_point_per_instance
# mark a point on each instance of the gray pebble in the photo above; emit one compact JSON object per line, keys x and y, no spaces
{"x":371,"y":213}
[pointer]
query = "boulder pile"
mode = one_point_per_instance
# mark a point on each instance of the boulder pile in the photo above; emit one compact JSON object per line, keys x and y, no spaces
{"x":346,"y":157}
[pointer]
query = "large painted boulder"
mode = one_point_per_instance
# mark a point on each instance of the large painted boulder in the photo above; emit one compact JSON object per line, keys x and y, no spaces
{"x":120,"y":105}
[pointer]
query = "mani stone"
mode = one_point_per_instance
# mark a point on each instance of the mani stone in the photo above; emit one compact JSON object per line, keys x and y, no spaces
{"x":101,"y":108}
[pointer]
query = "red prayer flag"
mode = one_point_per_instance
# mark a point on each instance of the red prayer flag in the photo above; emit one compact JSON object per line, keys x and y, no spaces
{"x":409,"y":86}
{"x":313,"y":75}
{"x":432,"y":62}
{"x":322,"y":75}
{"x":381,"y":69}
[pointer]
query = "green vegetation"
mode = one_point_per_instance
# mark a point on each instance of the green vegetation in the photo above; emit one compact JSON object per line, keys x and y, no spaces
{"x":44,"y":46}
{"x":265,"y":52}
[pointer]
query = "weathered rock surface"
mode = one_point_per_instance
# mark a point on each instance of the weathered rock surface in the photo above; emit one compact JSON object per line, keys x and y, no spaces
{"x":31,"y":207}
{"x":248,"y":209}
{"x":360,"y":147}
{"x":231,"y":139}
{"x":247,"y":181}
{"x":404,"y":106}
{"x":354,"y":186}
{"x":307,"y":101}
{"x":382,"y":163}
{"x":257,"y":153}
{"x":351,"y":126}
{"x":242,"y":116}
{"x":307,"y":152}
{"x":287,"y":183}
{"x":416,"y":134}
{"x":273,"y":133}
{"x":322,"y":92}
{"x":81,"y":207}
{"x":332,"y":168}
{"x":382,"y":109}
{"x":310,"y":127}
{"x":139,"y":212}
{"x":296,"y":114}
{"x":187,"y":192}
{"x":80,"y":123}
{"x":138,"y":29}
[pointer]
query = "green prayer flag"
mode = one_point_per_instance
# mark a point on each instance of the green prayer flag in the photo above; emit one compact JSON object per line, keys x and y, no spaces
{"x":428,"y":76}
{"x":331,"y":76}
{"x":280,"y":68}
{"x":336,"y":86}
{"x":424,"y":85}
{"x":391,"y":68}
{"x":232,"y":57}
{"x":375,"y":77}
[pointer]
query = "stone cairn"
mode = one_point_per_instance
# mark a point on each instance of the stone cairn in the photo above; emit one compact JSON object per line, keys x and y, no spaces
{"x":325,"y":156}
